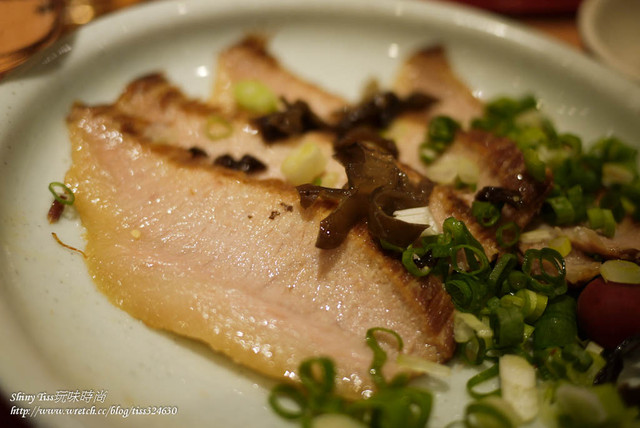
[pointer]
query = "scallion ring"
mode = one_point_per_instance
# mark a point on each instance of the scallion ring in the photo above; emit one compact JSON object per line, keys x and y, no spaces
{"x":508,"y":326}
{"x":317,"y":375}
{"x":474,"y":351}
{"x":291,"y":393}
{"x":480,"y":378}
{"x":69,"y":200}
{"x":216,"y":128}
{"x":442,"y":129}
{"x":536,"y":266}
{"x":475,"y":258}
{"x":503,"y":267}
{"x":485,"y":414}
{"x":379,"y":355}
{"x":486,"y":213}
{"x":563,"y":210}
{"x":461,"y":293}
{"x":505,"y":231}
{"x":409,"y":258}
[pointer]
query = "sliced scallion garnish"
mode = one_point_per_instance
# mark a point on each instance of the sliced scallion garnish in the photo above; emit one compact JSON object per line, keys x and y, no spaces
{"x":508,"y":234}
{"x":546,"y":271}
{"x":216,"y":128}
{"x":486,"y":213}
{"x":67,"y":197}
{"x":480,"y":378}
{"x":255,"y":96}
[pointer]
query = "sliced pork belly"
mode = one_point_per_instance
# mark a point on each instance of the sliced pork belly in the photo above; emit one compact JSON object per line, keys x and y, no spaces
{"x":587,"y":243}
{"x":494,"y":161}
{"x":580,"y":267}
{"x":162,"y":113}
{"x":250,"y":60}
{"x":214,"y":255}
{"x":625,"y":244}
{"x":428,"y":71}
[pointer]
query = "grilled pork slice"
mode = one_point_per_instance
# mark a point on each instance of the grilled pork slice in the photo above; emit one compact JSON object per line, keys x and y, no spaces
{"x":474,"y":156}
{"x":161,"y":112}
{"x":625,"y":244}
{"x":214,"y":255}
{"x":493,"y":162}
{"x":580,"y":267}
{"x":428,"y":71}
{"x":586,"y":243}
{"x":249,"y":59}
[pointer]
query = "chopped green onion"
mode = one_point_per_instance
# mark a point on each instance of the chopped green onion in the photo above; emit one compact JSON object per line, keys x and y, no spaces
{"x":534,"y":304}
{"x":309,"y":375}
{"x":512,"y":232}
{"x":468,"y":172}
{"x":528,"y":331}
{"x":571,"y":141}
{"x":518,"y":385}
{"x":304,"y":163}
{"x":515,"y":281}
{"x":427,"y":153}
{"x":622,"y":271}
{"x":561,"y":244}
{"x":550,"y":363}
{"x":612,"y":200}
{"x":546,"y":271}
{"x":604,"y":404}
{"x":467,"y":292}
{"x":576,"y":198}
{"x":475,"y":349}
{"x":537,"y":235}
{"x":410,"y":257}
{"x":475,"y":259}
{"x":422,"y":365}
{"x":603,"y":220}
{"x":629,"y":207}
{"x":486,"y":213}
{"x":336,"y":420}
{"x":562,"y":209}
{"x":379,"y":355}
{"x":616,"y":173}
{"x":386,"y":245}
{"x":612,"y":149}
{"x":479,"y":379}
{"x":67,"y":197}
{"x":466,"y":325}
{"x":442,"y":129}
{"x":509,"y":107}
{"x":508,"y":326}
{"x":509,"y":300}
{"x":255,"y":96}
{"x":534,"y":165}
{"x":393,"y":404}
{"x":502,"y":269}
{"x":461,"y":293}
{"x":491,"y":412}
{"x":440,"y":134}
{"x":557,"y":326}
{"x":579,"y":357}
{"x":285,"y":392}
{"x":216,"y":127}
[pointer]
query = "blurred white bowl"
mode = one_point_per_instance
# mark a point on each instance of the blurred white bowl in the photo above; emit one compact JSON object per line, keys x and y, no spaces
{"x":611,"y":30}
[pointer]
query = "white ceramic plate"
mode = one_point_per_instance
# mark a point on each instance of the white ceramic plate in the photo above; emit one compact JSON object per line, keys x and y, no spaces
{"x":610,"y":29}
{"x":58,"y":333}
